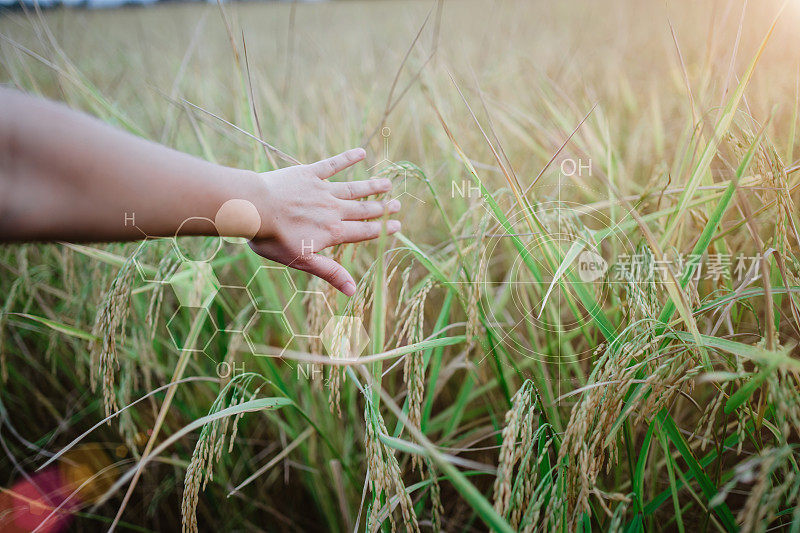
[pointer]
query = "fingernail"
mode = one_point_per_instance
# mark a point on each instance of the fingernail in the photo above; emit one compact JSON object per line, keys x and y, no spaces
{"x":393,"y":206}
{"x":358,"y":153}
{"x":393,"y":226}
{"x":349,"y":288}
{"x":386,"y":184}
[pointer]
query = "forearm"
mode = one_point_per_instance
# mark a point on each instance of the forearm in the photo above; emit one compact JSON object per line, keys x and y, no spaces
{"x":67,"y":176}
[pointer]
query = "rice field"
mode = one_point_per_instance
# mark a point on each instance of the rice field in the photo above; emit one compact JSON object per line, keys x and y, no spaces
{"x":588,"y":322}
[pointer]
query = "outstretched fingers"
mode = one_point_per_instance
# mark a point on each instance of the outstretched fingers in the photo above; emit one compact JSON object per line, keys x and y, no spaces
{"x":329,"y":270}
{"x":353,"y":190}
{"x":328,"y":167}
{"x":366,"y":210}
{"x":364,"y":231}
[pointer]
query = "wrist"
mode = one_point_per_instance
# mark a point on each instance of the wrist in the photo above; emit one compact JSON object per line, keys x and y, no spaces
{"x":239,"y":211}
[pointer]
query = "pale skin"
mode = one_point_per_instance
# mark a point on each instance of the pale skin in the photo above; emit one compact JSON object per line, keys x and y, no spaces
{"x":65,"y":176}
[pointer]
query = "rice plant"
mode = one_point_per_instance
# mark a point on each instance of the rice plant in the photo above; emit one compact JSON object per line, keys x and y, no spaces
{"x":588,"y":322}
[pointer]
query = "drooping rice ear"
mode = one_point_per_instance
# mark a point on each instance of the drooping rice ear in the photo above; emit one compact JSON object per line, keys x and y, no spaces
{"x":385,"y":477}
{"x":109,"y":329}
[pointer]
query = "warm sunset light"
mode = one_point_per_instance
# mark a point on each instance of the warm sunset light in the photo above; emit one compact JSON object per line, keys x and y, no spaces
{"x":399,"y":265}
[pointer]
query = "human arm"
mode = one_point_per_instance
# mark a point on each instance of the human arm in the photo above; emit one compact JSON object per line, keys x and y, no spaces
{"x":65,"y":176}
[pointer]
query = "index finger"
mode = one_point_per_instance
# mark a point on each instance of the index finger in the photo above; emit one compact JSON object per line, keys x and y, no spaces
{"x":328,"y":167}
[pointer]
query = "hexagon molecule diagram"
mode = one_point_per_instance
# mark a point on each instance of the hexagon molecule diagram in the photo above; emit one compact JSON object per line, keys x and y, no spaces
{"x":268,"y":331}
{"x":194,"y":283}
{"x":271,"y":288}
{"x":402,"y":172}
{"x":344,"y":337}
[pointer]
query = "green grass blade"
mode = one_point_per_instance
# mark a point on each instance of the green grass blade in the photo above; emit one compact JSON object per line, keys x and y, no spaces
{"x":721,"y":128}
{"x":706,"y":485}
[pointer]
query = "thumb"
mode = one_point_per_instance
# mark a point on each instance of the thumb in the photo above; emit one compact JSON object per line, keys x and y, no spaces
{"x":329,"y":270}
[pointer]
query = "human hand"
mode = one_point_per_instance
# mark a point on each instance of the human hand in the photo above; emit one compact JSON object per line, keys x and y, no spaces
{"x":302,"y":213}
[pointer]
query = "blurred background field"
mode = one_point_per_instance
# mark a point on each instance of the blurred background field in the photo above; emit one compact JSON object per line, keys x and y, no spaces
{"x":644,"y":402}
